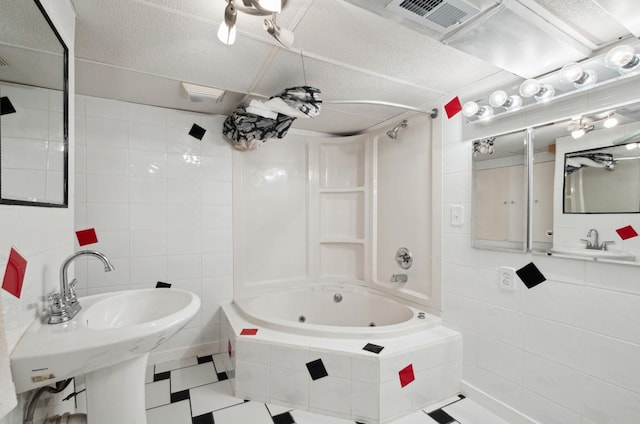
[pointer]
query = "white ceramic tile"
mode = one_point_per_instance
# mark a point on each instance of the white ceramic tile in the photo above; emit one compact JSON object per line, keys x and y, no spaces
{"x":189,"y":377}
{"x":277,"y":409}
{"x":612,"y":360}
{"x":184,"y":216}
{"x":364,"y":369}
{"x":115,"y":244}
{"x":248,"y":350}
{"x":365,"y":400}
{"x":289,"y":386}
{"x":143,"y":216}
{"x":249,"y":412}
{"x":157,"y":394}
{"x":174,"y":413}
{"x":147,"y":190}
{"x":219,"y":361}
{"x":185,"y":241}
{"x":216,"y":192}
{"x":179,"y":141}
{"x":487,"y":279}
{"x":183,"y":165}
{"x":148,"y":243}
{"x":557,"y":302}
{"x":330,"y":394}
{"x":144,"y":163}
{"x":468,"y":412}
{"x":501,"y":324}
{"x":395,"y":401}
{"x":107,"y":132}
{"x":502,"y":359}
{"x":212,"y":397}
{"x":605,"y":403}
{"x":216,"y":240}
{"x":108,"y":216}
{"x":184,"y":191}
{"x":107,"y":188}
{"x":304,"y":417}
{"x":462,"y":312}
{"x":148,"y":376}
{"x":147,"y":114}
{"x":147,"y":137}
{"x":148,"y":269}
{"x":426,"y":388}
{"x":418,"y":417}
{"x":216,"y":169}
{"x":291,"y":357}
{"x":184,"y":267}
{"x":106,"y":108}
{"x":555,"y":341}
{"x":108,"y":160}
{"x":96,"y":276}
{"x":216,"y":216}
{"x":252,"y":379}
{"x":547,"y":411}
{"x":217,"y":264}
{"x":612,"y":313}
{"x":337,"y":365}
{"x":552,"y":380}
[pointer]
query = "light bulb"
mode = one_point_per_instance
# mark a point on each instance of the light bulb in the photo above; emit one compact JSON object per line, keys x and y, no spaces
{"x":502,"y":99}
{"x":631,"y":146}
{"x":534,"y":88}
{"x":610,"y":122}
{"x":573,"y":73}
{"x":578,"y":133}
{"x":227,"y":35}
{"x":622,"y":58}
{"x":469,"y":109}
{"x":271,"y":5}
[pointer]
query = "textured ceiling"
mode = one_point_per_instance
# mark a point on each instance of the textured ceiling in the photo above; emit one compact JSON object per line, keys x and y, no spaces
{"x":140,"y":50}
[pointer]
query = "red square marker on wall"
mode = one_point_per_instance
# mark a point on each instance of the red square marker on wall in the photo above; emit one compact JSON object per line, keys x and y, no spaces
{"x":249,"y":332}
{"x":626,"y":232}
{"x":14,"y":273}
{"x":453,"y":107}
{"x":406,"y":375}
{"x":86,"y":237}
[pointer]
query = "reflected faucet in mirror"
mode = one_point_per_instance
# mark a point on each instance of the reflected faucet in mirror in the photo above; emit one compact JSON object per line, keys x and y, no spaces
{"x":65,"y":305}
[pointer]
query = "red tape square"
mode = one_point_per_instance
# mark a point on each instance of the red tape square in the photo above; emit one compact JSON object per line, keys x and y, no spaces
{"x":87,"y":237}
{"x":14,"y":273}
{"x":249,"y":332}
{"x":406,"y":375}
{"x":453,"y":107}
{"x":626,"y":232}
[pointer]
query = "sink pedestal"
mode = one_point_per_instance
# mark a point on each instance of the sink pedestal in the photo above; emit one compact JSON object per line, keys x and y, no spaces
{"x":116,"y":394}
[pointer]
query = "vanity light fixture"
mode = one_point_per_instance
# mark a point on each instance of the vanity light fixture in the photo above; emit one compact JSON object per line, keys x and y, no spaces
{"x":623,"y":59}
{"x":502,"y":99}
{"x":573,"y":73}
{"x":471,"y":109}
{"x":579,"y":128}
{"x":539,"y":91}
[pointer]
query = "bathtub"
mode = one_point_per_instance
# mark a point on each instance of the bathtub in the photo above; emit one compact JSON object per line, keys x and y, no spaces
{"x":335,"y":311}
{"x":343,"y":351}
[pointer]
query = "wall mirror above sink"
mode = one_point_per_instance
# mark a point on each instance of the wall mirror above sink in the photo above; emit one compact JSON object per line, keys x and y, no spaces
{"x":34,"y":117}
{"x":583,"y":196}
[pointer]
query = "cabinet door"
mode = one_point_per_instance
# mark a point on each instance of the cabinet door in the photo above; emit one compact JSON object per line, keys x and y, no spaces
{"x":492,"y":204}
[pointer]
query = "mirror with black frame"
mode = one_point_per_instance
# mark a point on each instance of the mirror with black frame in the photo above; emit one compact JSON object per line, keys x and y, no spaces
{"x":499,"y":192}
{"x":34,"y":107}
{"x":596,"y":186}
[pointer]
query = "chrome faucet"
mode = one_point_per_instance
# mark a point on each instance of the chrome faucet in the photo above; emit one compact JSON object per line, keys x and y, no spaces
{"x":65,"y":305}
{"x":595,"y":245}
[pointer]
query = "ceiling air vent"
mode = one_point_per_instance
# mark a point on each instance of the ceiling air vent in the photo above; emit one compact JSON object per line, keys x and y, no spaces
{"x":438,"y":15}
{"x":3,"y":62}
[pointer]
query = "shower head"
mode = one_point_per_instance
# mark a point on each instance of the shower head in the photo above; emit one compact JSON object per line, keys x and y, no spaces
{"x":393,"y":133}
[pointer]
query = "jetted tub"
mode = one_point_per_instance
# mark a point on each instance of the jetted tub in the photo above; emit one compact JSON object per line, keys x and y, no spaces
{"x":335,"y":311}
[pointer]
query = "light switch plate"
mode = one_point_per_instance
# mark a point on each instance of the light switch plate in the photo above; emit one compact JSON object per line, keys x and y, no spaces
{"x":457,"y":215}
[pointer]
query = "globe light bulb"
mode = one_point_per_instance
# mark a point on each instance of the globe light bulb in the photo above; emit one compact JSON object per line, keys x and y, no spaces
{"x":470,"y":109}
{"x":573,"y":73}
{"x":623,"y":59}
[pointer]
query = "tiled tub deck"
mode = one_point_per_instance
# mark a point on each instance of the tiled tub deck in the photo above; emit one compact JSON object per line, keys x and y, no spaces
{"x":369,"y":381}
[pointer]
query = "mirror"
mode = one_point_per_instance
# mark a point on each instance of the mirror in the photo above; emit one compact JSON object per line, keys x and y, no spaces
{"x":499,"y":192}
{"x":34,"y":108}
{"x":594,"y":181}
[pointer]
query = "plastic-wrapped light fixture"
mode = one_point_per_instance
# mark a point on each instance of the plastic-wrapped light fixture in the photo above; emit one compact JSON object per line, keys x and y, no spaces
{"x":471,"y":109}
{"x":573,"y":73}
{"x":502,"y":99}
{"x":623,"y":59}
{"x":539,"y":91}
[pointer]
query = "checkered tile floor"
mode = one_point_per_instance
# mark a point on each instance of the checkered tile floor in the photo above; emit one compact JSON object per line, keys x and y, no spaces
{"x":197,"y":391}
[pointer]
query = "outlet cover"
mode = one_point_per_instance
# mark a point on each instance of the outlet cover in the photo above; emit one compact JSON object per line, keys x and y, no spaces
{"x":507,"y":278}
{"x":457,"y":215}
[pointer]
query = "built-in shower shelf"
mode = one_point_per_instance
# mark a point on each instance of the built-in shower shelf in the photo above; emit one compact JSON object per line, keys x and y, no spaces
{"x":342,"y":190}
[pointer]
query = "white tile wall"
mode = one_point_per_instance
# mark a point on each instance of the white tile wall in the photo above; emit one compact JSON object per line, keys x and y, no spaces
{"x":562,"y":352}
{"x":160,"y":201}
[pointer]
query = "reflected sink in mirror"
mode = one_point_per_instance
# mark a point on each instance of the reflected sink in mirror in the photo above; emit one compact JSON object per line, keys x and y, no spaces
{"x":110,"y":328}
{"x":617,"y":255}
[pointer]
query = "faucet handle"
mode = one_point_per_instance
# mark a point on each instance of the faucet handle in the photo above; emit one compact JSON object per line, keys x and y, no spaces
{"x":604,"y":244}
{"x":586,"y":241}
{"x":56,"y":302}
{"x":73,"y":297}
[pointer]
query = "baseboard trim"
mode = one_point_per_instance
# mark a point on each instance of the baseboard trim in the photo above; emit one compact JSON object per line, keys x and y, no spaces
{"x":184,"y":352}
{"x":499,"y":408}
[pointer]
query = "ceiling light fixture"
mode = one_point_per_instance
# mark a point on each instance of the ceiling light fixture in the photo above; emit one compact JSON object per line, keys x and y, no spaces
{"x":579,"y":128}
{"x":471,"y":109}
{"x":610,"y":122}
{"x":227,"y":29}
{"x":282,"y":35}
{"x":623,"y":59}
{"x":573,"y":73}
{"x":539,"y":91}
{"x":502,"y":99}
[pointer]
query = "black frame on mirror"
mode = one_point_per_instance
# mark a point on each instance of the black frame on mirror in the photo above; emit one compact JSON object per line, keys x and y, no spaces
{"x":65,"y":118}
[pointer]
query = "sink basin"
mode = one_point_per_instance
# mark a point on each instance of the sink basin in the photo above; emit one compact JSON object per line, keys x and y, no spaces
{"x":617,"y":255}
{"x":108,"y":341}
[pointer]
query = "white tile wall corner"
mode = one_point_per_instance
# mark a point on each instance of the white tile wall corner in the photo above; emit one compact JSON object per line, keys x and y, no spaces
{"x":160,"y":202}
{"x":559,"y":352}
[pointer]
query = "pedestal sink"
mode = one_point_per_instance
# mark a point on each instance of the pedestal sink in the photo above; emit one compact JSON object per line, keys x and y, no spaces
{"x":108,"y":341}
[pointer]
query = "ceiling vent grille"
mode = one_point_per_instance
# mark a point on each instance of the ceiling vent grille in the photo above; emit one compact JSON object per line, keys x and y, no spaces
{"x":3,"y":62}
{"x":438,"y":15}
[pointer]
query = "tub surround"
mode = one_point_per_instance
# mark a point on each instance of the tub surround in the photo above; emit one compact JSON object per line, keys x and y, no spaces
{"x":368,"y":380}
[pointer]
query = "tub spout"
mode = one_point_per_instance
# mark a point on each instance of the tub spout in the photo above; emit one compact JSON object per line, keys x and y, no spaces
{"x":399,"y":278}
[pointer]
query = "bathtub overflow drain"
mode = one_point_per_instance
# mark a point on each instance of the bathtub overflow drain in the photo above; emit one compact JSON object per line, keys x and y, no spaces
{"x":372,"y":324}
{"x":302,"y":318}
{"x":337,"y":297}
{"x":421,"y":315}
